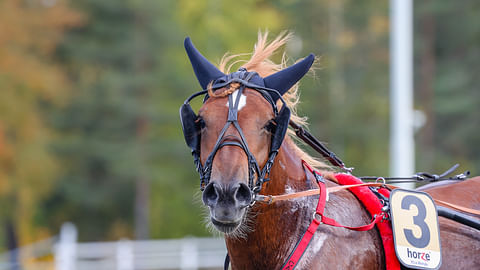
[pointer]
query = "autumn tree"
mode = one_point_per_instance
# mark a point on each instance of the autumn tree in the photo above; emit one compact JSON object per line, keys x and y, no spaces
{"x":30,"y":82}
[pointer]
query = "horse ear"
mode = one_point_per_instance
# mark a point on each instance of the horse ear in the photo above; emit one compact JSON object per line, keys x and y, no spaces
{"x":204,"y":70}
{"x":286,"y":78}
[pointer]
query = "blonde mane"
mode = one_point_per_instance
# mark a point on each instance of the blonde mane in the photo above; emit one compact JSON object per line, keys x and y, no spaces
{"x":260,"y":62}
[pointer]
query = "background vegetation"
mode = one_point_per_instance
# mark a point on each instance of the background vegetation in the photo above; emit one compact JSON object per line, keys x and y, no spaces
{"x":90,"y":91}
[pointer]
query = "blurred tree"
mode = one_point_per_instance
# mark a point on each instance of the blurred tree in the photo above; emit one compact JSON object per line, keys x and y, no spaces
{"x":122,"y":143}
{"x":228,"y":26}
{"x":351,"y":110}
{"x":448,"y":57}
{"x":30,"y":82}
{"x":115,"y":61}
{"x":348,"y":102}
{"x":120,"y":158}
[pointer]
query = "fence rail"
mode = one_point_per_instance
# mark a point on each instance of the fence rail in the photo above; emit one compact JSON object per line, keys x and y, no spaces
{"x":65,"y":253}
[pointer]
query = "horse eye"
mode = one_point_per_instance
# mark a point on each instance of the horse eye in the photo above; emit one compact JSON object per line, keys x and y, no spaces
{"x":270,"y":126}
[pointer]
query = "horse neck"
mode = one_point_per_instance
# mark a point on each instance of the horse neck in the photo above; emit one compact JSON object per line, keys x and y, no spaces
{"x":287,"y":174}
{"x":275,"y":228}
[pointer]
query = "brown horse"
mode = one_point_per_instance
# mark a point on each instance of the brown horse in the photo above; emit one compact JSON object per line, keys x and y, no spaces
{"x":260,"y":236}
{"x":460,"y":244}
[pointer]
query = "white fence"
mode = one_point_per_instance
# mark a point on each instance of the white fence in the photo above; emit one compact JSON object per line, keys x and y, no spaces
{"x":68,"y":254}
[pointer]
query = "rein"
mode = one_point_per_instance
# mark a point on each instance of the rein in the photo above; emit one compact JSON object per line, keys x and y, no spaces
{"x":269,"y":199}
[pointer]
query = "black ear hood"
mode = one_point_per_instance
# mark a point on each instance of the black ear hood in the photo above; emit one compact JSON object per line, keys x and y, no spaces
{"x":286,"y":78}
{"x":281,"y":81}
{"x":204,"y":70}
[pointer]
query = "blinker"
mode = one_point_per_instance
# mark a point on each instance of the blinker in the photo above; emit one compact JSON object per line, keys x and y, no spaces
{"x":190,"y":127}
{"x":282,"y":120}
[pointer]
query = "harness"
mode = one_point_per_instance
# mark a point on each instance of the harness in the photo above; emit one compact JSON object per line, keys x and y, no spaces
{"x":192,"y":125}
{"x":376,"y":205}
{"x":272,"y":88}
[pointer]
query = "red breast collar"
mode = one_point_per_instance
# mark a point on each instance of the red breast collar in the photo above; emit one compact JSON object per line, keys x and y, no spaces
{"x":373,"y":205}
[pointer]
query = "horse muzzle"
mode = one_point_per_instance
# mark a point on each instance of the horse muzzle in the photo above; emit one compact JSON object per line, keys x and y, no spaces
{"x":227,"y":204}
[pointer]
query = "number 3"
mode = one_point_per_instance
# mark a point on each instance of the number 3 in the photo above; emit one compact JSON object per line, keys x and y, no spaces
{"x":418,"y":220}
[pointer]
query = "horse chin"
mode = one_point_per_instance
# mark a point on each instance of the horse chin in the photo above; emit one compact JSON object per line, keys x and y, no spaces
{"x":225,"y":227}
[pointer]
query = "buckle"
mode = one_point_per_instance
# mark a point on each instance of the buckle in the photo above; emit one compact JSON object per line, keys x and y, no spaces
{"x":318,"y":177}
{"x":263,"y":198}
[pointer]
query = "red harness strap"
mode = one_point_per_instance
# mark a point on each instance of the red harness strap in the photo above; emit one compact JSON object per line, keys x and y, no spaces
{"x":302,"y":245}
{"x":373,"y":205}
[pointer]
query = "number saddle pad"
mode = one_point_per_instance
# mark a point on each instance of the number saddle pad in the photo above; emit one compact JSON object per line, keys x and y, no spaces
{"x":374,"y":206}
{"x":415,"y":229}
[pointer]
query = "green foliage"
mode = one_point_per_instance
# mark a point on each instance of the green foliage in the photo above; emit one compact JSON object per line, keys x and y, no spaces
{"x":348,"y":101}
{"x":448,"y":49}
{"x":89,"y":127}
{"x":117,"y":61}
{"x":121,"y":125}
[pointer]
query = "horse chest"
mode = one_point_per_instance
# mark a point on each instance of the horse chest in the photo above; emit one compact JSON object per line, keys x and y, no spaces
{"x":275,"y":236}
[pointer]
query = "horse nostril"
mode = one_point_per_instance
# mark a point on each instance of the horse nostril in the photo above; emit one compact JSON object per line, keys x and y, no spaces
{"x":210,"y":195}
{"x":243,"y":195}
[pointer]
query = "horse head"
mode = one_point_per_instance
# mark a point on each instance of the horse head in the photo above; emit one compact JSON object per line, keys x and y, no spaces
{"x":237,"y":133}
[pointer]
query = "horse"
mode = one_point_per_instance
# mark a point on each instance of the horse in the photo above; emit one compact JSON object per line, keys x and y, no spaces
{"x":242,"y":149}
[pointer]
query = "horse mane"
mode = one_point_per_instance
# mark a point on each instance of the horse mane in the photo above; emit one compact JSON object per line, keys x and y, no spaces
{"x":261,"y":63}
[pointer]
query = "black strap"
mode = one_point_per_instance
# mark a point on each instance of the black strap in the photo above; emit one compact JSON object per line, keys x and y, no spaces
{"x":226,"y":264}
{"x":423,"y":177}
{"x":458,"y":216}
{"x":309,"y":139}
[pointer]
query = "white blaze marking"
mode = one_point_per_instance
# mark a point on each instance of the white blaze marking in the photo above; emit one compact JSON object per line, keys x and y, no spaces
{"x":241,"y":103}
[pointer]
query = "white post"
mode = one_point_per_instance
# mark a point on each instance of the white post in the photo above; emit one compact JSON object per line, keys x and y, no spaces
{"x":66,"y":249}
{"x":124,"y":255}
{"x":402,"y":145}
{"x":189,"y":255}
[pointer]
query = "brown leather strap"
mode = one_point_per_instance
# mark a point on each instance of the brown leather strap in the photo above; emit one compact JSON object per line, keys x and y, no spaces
{"x":274,"y":198}
{"x":458,"y":207}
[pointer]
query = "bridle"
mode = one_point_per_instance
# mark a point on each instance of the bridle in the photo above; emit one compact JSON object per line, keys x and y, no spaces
{"x":192,"y":125}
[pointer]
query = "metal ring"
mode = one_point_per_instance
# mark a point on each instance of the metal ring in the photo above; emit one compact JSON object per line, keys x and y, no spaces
{"x":254,"y":200}
{"x":315,"y":214}
{"x":381,"y":179}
